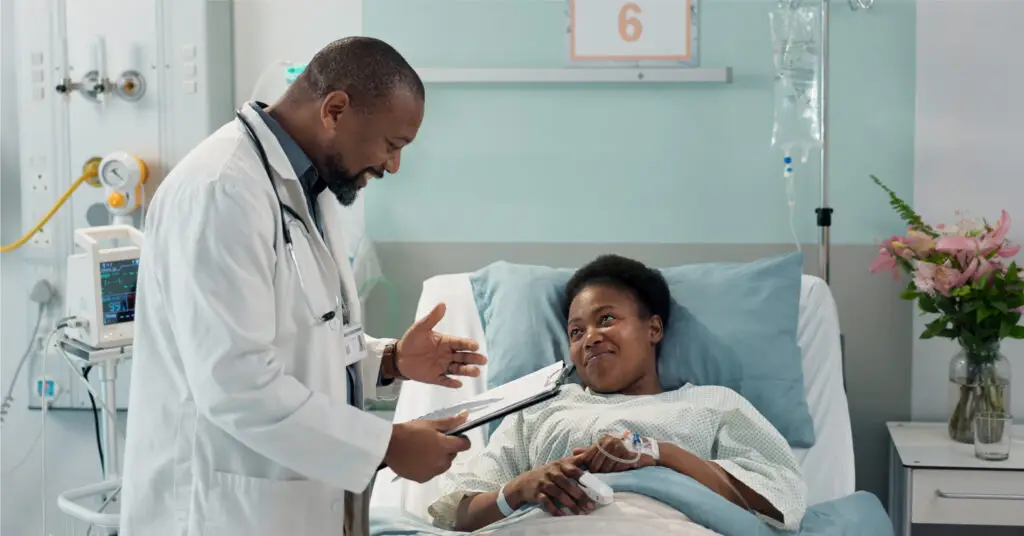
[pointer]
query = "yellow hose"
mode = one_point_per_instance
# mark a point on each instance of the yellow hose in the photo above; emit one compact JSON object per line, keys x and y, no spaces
{"x":89,"y":172}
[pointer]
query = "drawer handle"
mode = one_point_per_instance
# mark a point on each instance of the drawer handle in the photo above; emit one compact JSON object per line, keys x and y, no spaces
{"x":993,"y":496}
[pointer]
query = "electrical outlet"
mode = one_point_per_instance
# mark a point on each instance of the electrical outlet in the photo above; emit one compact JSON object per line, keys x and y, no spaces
{"x":41,"y":239}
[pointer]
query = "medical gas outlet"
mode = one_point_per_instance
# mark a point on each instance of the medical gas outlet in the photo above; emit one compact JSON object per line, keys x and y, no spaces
{"x":123,"y":176}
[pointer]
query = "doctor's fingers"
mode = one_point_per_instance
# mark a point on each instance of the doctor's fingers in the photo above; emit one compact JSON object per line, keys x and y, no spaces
{"x":460,"y":344}
{"x":458,"y":369}
{"x":468,"y":358}
{"x":456,"y":444}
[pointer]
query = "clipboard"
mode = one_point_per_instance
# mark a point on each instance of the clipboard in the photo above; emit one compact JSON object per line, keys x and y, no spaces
{"x":506,"y":399}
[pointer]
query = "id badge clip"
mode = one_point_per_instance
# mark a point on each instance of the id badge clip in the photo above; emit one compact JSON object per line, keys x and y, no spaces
{"x":355,"y":344}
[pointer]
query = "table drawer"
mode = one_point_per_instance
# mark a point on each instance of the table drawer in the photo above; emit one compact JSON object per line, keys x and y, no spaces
{"x":954,"y":497}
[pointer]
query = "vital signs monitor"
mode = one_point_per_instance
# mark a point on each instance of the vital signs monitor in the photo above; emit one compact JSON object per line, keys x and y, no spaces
{"x":101,"y":285}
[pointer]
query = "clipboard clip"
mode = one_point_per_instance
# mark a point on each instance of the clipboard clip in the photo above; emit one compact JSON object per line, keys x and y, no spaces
{"x":562,"y":376}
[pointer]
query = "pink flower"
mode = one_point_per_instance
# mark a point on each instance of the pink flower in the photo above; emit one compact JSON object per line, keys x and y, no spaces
{"x":885,"y":261}
{"x":1008,"y":251}
{"x":931,"y":278}
{"x":956,"y":244}
{"x":992,"y":241}
{"x":921,"y":244}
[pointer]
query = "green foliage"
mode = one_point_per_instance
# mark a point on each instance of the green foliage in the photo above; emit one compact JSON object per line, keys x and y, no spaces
{"x":907,"y":214}
{"x":977,"y":315}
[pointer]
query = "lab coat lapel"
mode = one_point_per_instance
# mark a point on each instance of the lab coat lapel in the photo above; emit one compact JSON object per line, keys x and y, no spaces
{"x":275,"y":154}
{"x":330,"y":213}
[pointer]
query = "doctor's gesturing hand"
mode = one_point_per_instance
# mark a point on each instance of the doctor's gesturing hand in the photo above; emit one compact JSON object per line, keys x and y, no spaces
{"x":430,"y":357}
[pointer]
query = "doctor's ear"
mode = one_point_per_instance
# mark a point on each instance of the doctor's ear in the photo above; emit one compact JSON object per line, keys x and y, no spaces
{"x":333,"y":105}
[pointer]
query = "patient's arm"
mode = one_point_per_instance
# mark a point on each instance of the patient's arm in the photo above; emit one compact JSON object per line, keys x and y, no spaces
{"x":716,"y":479}
{"x":680,"y":461}
{"x":758,"y":460}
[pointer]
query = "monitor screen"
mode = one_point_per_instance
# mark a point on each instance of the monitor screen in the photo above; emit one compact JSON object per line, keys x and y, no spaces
{"x":117,"y":290}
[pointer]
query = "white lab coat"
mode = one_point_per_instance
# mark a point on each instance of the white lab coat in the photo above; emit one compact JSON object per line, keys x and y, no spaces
{"x":238,"y":421}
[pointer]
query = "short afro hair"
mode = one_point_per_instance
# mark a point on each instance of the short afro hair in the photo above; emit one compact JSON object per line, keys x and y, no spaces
{"x":647,"y":285}
{"x":368,"y":69}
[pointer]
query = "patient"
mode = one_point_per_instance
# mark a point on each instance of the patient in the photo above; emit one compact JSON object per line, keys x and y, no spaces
{"x":617,"y":310}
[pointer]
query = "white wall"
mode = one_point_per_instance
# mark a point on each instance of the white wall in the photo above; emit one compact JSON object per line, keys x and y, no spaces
{"x":265,"y":30}
{"x":969,"y":132}
{"x":286,"y":30}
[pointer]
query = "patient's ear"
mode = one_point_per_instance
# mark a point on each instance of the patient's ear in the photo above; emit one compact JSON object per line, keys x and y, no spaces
{"x":657,"y":329}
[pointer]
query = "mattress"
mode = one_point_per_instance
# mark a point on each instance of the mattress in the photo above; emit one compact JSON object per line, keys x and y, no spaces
{"x":828,"y":466}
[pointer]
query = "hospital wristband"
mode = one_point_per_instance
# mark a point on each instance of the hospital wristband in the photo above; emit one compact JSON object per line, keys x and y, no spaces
{"x":503,"y":505}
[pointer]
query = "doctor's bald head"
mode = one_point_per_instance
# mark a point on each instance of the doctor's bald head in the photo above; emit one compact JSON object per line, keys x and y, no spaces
{"x":359,"y":103}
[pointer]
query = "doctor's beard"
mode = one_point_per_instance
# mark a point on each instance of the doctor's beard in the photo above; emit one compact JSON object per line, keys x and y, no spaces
{"x":344,"y":185}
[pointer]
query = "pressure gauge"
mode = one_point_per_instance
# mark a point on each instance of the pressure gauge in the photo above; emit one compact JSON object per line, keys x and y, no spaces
{"x":122,"y":176}
{"x":122,"y":172}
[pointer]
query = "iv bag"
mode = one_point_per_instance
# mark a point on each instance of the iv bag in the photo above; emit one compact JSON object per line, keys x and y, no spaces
{"x":796,"y":48}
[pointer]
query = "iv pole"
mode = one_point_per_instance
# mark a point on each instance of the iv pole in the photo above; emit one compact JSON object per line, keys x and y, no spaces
{"x":824,"y":212}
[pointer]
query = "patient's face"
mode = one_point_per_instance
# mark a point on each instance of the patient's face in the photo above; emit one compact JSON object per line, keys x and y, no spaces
{"x":610,"y":341}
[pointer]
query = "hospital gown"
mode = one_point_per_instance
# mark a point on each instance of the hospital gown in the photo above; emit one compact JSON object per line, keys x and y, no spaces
{"x":712,"y":422}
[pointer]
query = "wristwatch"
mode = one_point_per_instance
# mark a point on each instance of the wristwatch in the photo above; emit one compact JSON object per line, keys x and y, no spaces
{"x":390,"y":357}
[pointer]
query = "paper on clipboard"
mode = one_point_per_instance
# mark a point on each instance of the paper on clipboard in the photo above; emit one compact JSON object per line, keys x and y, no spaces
{"x":500,"y":399}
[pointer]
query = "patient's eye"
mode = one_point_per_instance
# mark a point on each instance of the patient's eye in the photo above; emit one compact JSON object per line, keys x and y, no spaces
{"x":574,"y":332}
{"x":606,"y":318}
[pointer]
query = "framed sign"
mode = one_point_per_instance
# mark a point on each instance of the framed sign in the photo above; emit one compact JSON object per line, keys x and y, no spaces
{"x":631,"y":30}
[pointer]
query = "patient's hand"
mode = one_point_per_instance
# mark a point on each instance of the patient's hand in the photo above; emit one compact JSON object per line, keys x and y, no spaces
{"x":552,"y":486}
{"x":599,"y":462}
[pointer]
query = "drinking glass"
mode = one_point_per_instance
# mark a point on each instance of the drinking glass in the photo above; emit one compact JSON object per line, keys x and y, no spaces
{"x":992,"y":435}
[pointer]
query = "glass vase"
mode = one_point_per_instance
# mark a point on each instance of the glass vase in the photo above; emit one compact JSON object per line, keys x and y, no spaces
{"x":979,"y":377}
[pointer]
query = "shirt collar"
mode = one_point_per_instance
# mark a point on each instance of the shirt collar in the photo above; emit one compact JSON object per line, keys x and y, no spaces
{"x":296,"y":156}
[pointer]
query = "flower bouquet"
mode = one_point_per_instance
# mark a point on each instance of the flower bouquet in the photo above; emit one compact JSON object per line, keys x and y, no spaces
{"x":962,"y":274}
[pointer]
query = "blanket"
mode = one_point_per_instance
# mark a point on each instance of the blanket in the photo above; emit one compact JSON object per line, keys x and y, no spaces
{"x":859,"y":514}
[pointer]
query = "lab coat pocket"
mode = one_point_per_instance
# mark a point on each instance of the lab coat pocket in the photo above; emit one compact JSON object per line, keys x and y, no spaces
{"x":239,"y":505}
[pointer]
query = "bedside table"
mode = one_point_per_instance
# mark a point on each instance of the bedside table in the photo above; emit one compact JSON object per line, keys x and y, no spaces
{"x":935,"y":480}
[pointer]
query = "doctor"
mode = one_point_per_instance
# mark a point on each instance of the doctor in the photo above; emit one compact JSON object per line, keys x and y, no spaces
{"x":246,"y":384}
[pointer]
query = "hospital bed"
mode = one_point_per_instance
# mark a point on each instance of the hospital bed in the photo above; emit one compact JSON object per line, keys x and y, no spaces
{"x":828,"y":465}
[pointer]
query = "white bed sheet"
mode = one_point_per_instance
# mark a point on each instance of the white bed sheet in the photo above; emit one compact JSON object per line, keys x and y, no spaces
{"x":828,"y":466}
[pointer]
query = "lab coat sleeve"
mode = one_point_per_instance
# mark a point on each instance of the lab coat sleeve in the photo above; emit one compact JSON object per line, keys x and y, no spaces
{"x":219,"y":277}
{"x":372,"y":362}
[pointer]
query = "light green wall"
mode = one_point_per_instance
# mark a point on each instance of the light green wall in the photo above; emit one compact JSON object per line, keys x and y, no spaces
{"x":687,"y":163}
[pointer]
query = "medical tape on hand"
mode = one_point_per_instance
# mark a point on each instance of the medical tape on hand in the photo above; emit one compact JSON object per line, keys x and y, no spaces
{"x":646,"y":445}
{"x":626,"y":442}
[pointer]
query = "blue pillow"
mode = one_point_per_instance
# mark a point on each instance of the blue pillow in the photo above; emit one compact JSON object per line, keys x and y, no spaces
{"x":732,"y":324}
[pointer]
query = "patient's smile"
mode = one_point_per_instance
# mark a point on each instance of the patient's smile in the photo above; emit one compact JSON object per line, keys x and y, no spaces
{"x":597,"y":355}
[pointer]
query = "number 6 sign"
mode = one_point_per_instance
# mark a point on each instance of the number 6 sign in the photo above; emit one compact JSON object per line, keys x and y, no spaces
{"x":630,"y":30}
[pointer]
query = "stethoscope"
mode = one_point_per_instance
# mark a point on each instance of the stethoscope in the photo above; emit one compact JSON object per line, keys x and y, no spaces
{"x":286,"y":233}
